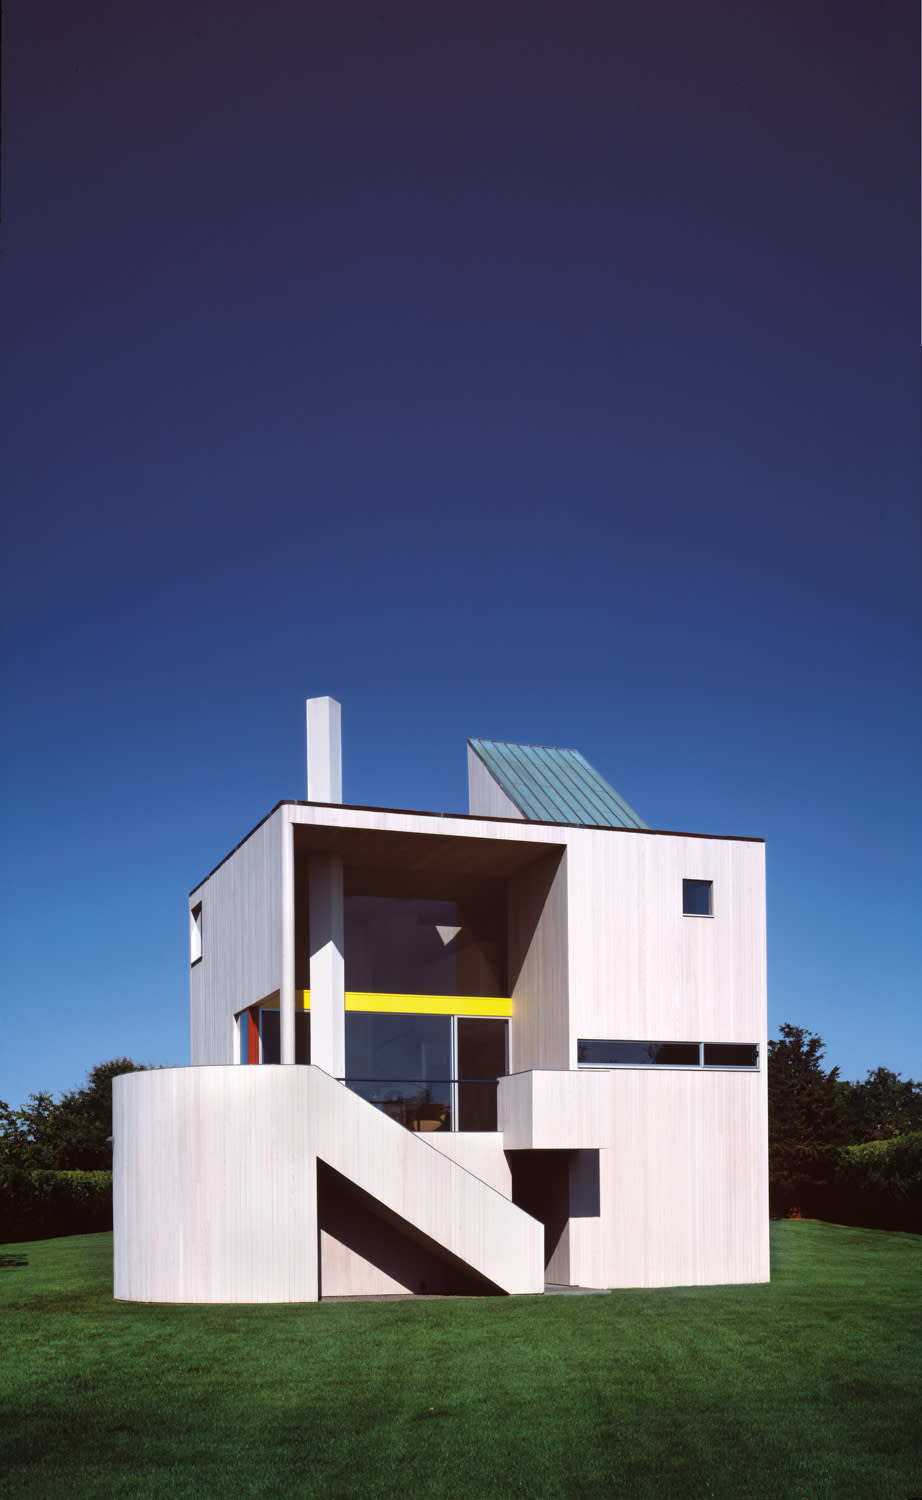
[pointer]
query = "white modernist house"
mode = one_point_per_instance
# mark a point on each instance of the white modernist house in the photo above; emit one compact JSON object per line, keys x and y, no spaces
{"x":471,"y":1053}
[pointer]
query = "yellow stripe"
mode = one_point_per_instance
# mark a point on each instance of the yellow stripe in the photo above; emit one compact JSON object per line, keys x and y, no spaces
{"x":430,"y":1005}
{"x":421,"y":1005}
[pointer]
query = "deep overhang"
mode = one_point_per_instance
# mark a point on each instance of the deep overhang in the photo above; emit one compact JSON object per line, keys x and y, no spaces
{"x":445,"y":853}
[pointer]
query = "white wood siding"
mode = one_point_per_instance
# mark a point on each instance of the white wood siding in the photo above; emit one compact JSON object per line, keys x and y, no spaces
{"x":684,"y":1183}
{"x":538,"y":966}
{"x":242,"y":939}
{"x":683,"y":1170}
{"x":215,"y":1186}
{"x":641,"y":970}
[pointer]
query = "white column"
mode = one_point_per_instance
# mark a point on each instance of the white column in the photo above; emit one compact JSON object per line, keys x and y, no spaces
{"x":324,"y":750}
{"x":287,"y":985}
{"x":328,"y":993}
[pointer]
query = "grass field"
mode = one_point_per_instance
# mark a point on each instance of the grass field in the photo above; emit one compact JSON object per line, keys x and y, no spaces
{"x":805,"y":1389}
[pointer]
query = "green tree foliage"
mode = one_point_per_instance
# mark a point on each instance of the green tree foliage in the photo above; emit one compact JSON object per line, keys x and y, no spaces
{"x":806,"y":1117}
{"x":845,"y":1151}
{"x":893,"y":1166}
{"x":883,"y":1106}
{"x":70,"y":1135}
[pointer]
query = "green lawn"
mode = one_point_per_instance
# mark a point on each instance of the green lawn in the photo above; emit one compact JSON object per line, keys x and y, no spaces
{"x":805,"y":1389}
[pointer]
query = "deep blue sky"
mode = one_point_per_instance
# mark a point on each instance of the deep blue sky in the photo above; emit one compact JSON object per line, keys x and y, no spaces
{"x":535,"y":371}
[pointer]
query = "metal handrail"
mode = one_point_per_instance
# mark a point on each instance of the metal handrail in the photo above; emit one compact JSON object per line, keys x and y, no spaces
{"x":402,"y":1079}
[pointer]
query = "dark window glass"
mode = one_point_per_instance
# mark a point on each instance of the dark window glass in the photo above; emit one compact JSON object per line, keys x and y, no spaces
{"x":419,"y":946}
{"x":696,"y":898}
{"x":302,"y":1036}
{"x":731,"y":1055}
{"x":638,"y":1054}
{"x":676,"y":1054}
{"x":402,"y":947}
{"x":271,"y":1036}
{"x":418,"y":1106}
{"x":481,"y":1058}
{"x":395,"y":1045}
{"x":402,"y":1063}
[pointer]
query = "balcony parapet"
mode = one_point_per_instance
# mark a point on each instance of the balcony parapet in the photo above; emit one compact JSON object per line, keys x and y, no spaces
{"x":550,"y":1110}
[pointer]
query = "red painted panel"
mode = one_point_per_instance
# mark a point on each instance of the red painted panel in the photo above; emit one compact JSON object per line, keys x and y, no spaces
{"x":252,"y":1036}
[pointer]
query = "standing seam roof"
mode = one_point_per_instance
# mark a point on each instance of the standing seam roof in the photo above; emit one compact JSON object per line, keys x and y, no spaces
{"x":555,"y":786}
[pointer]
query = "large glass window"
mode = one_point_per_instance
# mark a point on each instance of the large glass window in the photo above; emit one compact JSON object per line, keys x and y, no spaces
{"x":427,"y":1072}
{"x":424,"y":946}
{"x":395,"y":946}
{"x":402,"y":1063}
{"x":481,"y":1060}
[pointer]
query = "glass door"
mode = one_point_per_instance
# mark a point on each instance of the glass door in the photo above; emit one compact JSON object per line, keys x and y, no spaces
{"x":481,"y":1054}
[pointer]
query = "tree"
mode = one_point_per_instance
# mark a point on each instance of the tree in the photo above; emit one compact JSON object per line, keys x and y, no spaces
{"x":70,"y":1135}
{"x":883,"y":1106}
{"x":806,"y":1118}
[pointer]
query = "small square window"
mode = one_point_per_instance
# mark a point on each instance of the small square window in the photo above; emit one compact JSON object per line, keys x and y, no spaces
{"x":697,"y":898}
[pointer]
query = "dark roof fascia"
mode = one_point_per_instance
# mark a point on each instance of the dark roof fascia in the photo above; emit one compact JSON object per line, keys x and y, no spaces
{"x":416,"y":812}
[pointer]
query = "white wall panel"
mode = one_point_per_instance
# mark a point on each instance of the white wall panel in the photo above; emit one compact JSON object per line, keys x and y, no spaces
{"x":641,"y":970}
{"x":482,"y":1153}
{"x":538,"y":966}
{"x":242,"y":939}
{"x":684,"y":1183}
{"x":215,"y":1186}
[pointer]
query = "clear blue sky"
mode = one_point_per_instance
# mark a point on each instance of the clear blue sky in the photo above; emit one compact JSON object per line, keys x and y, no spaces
{"x":534,"y":371}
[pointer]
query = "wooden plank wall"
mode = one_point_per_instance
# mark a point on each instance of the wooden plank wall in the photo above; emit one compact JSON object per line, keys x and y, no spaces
{"x":538,"y":966}
{"x":241,"y":940}
{"x":684,"y":1183}
{"x":639,"y":968}
{"x":216,"y":1186}
{"x":683,"y":1174}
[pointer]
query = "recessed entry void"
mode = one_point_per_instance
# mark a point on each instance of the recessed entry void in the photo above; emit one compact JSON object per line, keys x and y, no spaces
{"x":555,"y":1187}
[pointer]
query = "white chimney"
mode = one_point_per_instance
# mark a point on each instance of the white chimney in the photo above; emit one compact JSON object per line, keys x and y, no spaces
{"x":324,"y":751}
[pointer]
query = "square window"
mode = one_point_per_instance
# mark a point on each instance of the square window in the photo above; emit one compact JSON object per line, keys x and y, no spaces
{"x":697,"y":898}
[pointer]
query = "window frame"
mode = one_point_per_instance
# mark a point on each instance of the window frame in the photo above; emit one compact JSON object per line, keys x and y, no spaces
{"x":695,"y":881}
{"x":699,"y":1067}
{"x":196,"y":951}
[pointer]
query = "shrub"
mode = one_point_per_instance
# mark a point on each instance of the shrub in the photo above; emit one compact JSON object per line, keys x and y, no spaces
{"x":877,"y":1185}
{"x":38,"y":1204}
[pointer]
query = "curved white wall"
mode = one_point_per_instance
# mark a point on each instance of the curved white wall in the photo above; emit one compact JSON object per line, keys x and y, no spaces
{"x":215,"y":1187}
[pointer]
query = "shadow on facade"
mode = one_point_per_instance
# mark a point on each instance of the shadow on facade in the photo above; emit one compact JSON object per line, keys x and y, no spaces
{"x":357,"y":1231}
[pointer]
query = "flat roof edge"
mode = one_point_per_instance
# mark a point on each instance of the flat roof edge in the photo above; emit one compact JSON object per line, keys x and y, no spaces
{"x":415,"y":812}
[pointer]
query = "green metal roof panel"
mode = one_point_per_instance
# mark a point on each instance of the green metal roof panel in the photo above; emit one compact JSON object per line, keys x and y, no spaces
{"x":555,"y":786}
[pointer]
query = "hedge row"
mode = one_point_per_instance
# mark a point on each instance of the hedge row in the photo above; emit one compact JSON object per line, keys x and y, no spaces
{"x":876,"y":1185}
{"x":40,"y":1204}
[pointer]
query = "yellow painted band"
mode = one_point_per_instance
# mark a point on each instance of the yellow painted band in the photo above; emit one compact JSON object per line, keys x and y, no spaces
{"x":430,"y":1005}
{"x":422,"y":1005}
